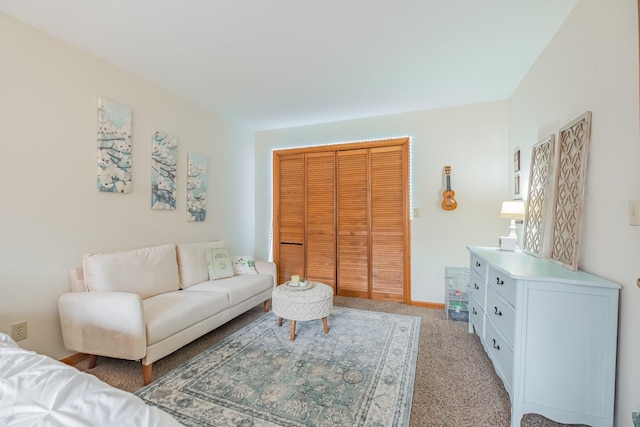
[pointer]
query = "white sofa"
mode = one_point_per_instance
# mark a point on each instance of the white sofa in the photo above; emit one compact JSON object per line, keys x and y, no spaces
{"x":146,"y":303}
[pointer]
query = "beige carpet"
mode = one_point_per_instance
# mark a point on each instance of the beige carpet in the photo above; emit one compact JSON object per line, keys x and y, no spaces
{"x":455,"y":383}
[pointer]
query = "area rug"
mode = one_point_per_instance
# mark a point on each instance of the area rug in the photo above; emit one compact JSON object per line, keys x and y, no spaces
{"x":359,"y":374}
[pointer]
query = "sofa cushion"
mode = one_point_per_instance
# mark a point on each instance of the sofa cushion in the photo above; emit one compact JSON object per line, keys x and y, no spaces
{"x":146,"y":272}
{"x":192,"y":261}
{"x":238,"y":288}
{"x":243,"y":265}
{"x":173,"y":312}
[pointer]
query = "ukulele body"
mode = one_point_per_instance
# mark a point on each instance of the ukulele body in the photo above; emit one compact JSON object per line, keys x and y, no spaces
{"x":448,"y":202}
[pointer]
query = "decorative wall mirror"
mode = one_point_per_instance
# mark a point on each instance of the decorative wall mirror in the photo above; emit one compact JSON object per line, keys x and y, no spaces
{"x":541,"y":158}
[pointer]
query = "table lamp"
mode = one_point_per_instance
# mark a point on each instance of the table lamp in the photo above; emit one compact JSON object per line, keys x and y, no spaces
{"x":513,"y":210}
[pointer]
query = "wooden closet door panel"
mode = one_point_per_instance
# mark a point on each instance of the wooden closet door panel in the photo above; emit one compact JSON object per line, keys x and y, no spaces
{"x":320,"y":218}
{"x":353,"y":200}
{"x":353,"y":266}
{"x":289,"y":233}
{"x":291,"y":199}
{"x":353,"y":223}
{"x":291,"y":261}
{"x":321,"y":258}
{"x":388,"y":215}
{"x":387,"y":265}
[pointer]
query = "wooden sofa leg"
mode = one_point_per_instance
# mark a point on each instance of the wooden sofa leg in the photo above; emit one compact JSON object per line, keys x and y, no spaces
{"x":146,"y":373}
{"x":93,"y":361}
{"x":267,"y":305}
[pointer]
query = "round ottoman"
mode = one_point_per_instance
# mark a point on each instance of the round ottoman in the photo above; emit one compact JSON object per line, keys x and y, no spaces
{"x":300,"y":304}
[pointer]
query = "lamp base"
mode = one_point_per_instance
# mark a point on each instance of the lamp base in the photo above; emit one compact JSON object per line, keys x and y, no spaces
{"x":508,"y":243}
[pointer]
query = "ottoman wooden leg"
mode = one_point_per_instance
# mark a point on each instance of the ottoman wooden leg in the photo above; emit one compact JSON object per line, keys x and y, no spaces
{"x":279,"y":321}
{"x":293,"y":330}
{"x":326,"y":325}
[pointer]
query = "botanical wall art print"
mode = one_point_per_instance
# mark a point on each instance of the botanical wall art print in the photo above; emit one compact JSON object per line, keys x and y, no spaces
{"x":164,"y":164}
{"x":571,"y":170}
{"x":197,"y":187}
{"x":114,"y":146}
{"x":541,"y":158}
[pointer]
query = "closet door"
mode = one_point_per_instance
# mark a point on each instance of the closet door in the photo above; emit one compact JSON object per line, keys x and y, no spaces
{"x":320,"y":245}
{"x":353,"y":223}
{"x":290,"y":234}
{"x":388,"y":219}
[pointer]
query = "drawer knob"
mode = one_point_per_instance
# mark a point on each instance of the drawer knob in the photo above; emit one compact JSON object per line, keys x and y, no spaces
{"x":499,"y":282}
{"x":497,"y":312}
{"x":477,"y":264}
{"x":496,"y":345}
{"x":475,"y":286}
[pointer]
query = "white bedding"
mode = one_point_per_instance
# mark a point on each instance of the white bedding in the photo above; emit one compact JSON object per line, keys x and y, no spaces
{"x":36,"y":390}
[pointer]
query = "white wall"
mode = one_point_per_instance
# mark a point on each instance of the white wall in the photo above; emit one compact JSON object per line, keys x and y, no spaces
{"x":472,"y":139}
{"x":50,"y":210}
{"x":592,"y":65}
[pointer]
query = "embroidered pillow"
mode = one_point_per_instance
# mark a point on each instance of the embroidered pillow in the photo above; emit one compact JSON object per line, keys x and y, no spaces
{"x":219,"y":263}
{"x":243,"y":265}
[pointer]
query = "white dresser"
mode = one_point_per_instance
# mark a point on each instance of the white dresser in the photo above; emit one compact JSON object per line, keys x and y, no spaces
{"x":550,"y":333}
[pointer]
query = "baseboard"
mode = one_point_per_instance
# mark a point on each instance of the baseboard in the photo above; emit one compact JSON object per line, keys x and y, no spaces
{"x":435,"y":305}
{"x":74,"y":359}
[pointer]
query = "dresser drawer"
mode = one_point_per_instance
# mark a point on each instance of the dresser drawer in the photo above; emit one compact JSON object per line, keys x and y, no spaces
{"x":478,"y":265}
{"x":500,"y":354}
{"x":501,"y":314}
{"x":477,"y":287}
{"x":476,"y":316}
{"x":503,"y":284}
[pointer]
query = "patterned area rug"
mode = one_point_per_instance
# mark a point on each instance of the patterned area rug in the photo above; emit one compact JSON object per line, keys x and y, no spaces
{"x":359,"y":374}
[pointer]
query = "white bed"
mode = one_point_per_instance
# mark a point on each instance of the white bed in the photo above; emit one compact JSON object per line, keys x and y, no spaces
{"x":36,"y":390}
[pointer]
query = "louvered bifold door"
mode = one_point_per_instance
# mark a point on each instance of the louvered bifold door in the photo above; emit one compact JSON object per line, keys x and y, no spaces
{"x":320,"y":236}
{"x":389,"y":216}
{"x":353,"y":223}
{"x":290,"y":238}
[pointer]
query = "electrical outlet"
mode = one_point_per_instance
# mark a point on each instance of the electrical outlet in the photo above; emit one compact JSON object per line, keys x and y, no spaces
{"x":19,"y":331}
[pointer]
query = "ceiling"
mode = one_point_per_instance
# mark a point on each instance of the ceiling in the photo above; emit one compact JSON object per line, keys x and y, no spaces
{"x":269,"y":64}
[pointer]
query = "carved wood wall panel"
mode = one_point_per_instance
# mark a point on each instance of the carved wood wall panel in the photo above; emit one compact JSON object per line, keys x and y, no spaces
{"x":569,"y":191}
{"x":541,"y":158}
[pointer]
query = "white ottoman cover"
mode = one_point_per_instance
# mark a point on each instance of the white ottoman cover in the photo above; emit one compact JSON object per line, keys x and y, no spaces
{"x":303,"y":304}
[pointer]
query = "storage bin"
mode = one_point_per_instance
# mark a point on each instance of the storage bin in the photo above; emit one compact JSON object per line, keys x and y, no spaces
{"x":456,"y":293}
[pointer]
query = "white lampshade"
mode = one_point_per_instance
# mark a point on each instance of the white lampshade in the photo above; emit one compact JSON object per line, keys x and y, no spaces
{"x":512,"y":209}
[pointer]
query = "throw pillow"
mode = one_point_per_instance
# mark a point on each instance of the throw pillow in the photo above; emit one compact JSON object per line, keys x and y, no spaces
{"x":146,"y":271}
{"x":192,"y":261}
{"x":244,"y":265}
{"x":219,"y":263}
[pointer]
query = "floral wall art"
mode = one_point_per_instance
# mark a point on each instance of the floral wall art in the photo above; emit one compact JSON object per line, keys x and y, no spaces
{"x":114,"y":146}
{"x":197,"y":187}
{"x":164,"y":155}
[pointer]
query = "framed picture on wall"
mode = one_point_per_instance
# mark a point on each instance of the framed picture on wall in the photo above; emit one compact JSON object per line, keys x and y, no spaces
{"x":516,"y":161}
{"x":516,"y":185}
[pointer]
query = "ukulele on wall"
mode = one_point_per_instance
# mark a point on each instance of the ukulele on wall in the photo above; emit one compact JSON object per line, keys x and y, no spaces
{"x":448,"y":202}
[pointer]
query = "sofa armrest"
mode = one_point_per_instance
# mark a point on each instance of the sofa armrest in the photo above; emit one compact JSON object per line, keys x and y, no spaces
{"x":104,"y":324}
{"x":267,"y":267}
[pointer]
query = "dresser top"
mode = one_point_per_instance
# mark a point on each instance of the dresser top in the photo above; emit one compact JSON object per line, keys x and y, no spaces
{"x":521,"y":265}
